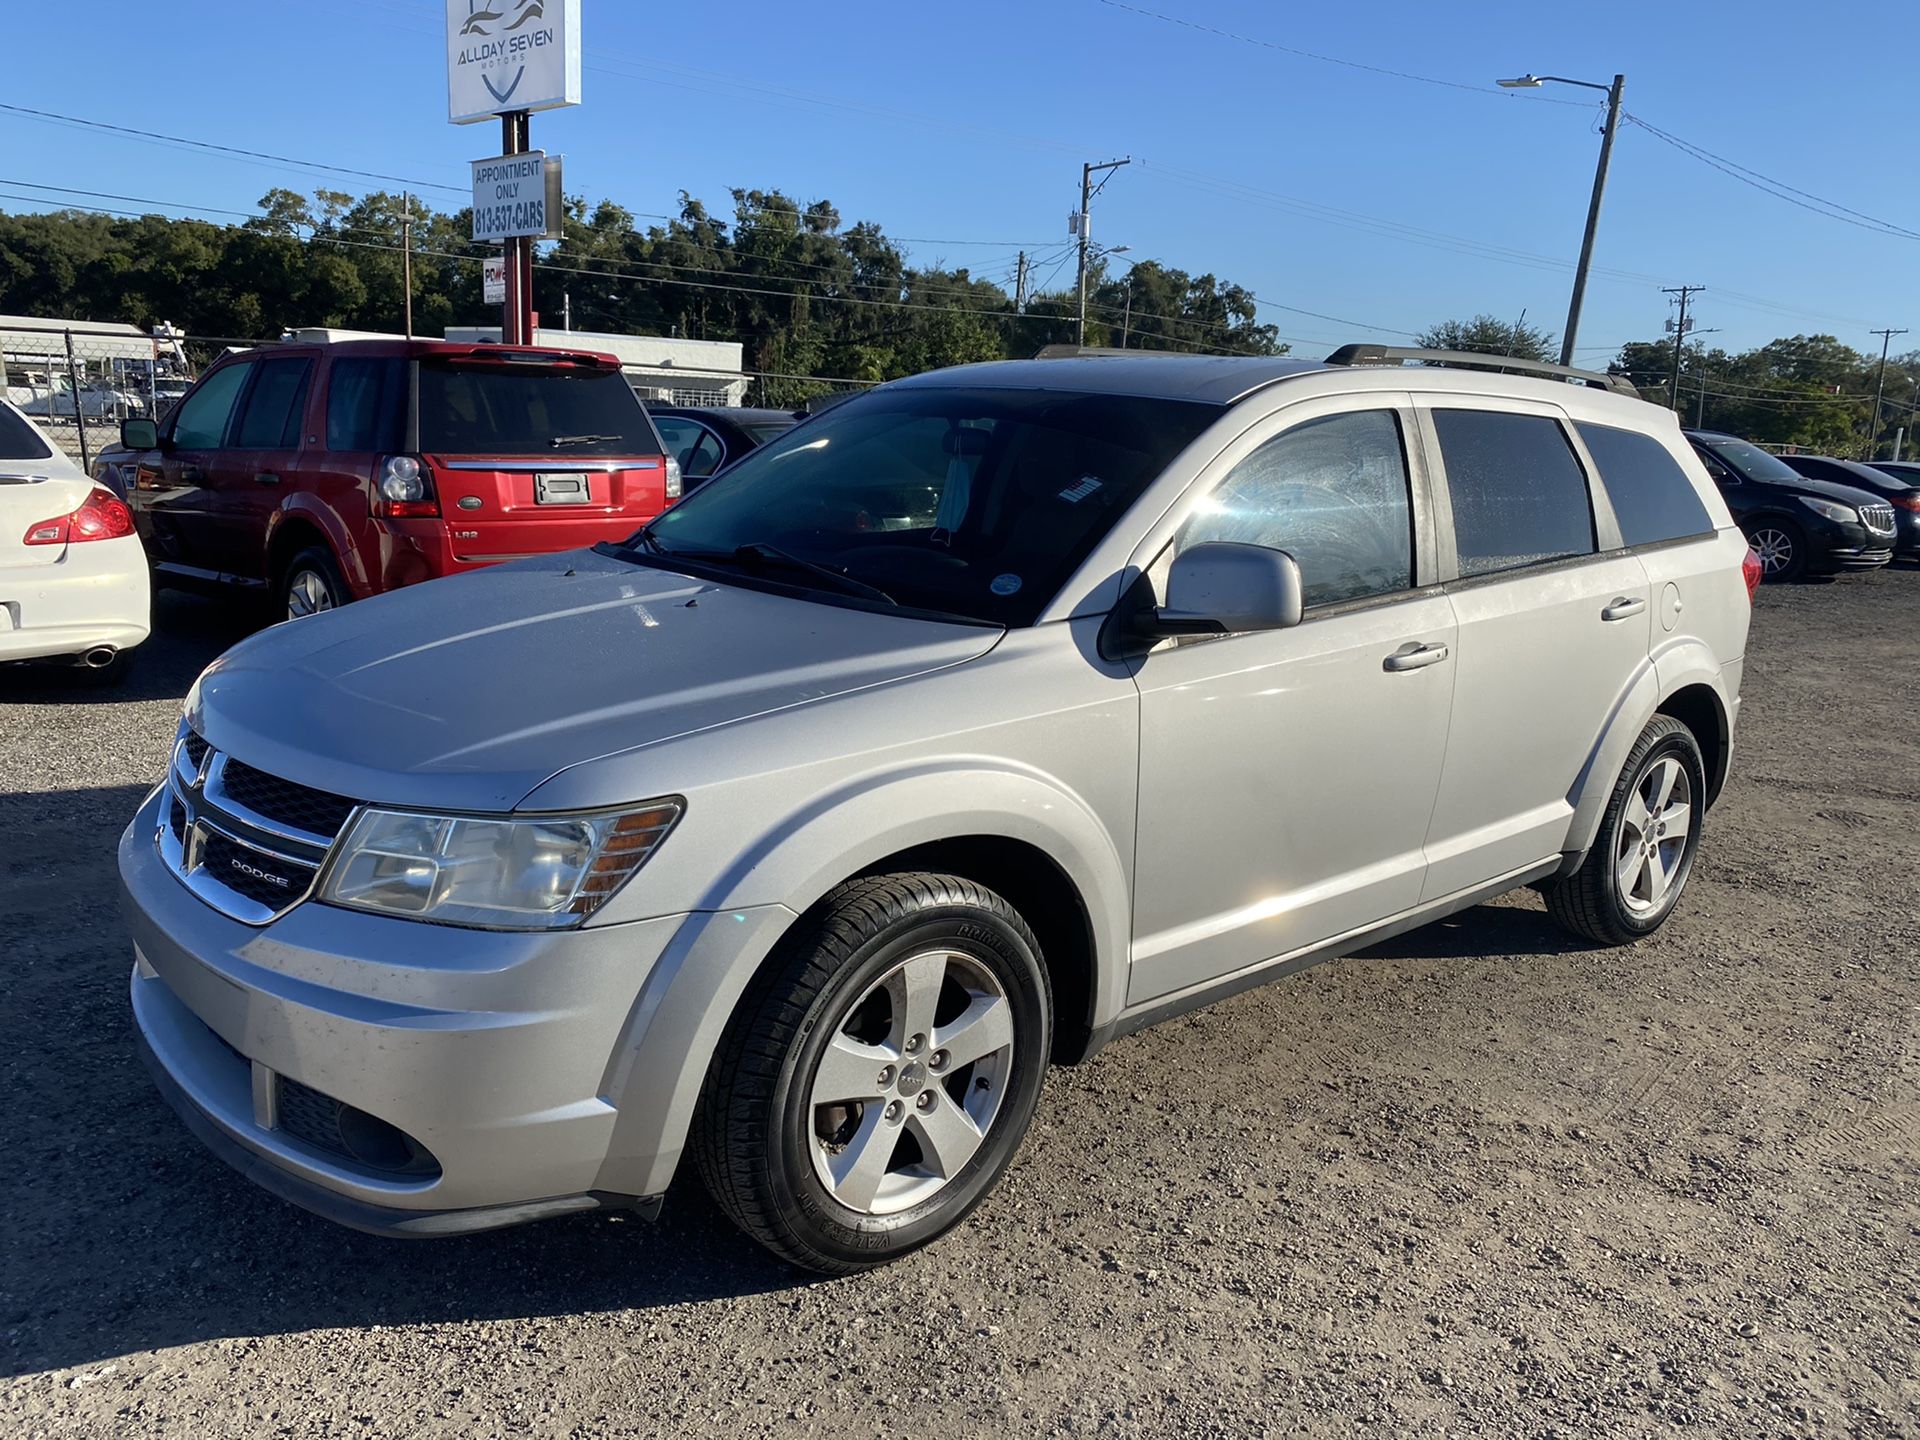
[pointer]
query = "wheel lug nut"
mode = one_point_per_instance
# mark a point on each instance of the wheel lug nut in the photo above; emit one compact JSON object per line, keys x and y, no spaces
{"x":894,"y":1110}
{"x":913,"y":1043}
{"x":925,"y":1102}
{"x":938,"y":1060}
{"x":886,"y":1075}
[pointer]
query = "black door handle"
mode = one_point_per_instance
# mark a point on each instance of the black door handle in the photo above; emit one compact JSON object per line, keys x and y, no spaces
{"x":267,"y":477}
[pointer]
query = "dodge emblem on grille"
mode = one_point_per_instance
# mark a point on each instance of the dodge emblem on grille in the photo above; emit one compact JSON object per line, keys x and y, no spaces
{"x":258,"y":874}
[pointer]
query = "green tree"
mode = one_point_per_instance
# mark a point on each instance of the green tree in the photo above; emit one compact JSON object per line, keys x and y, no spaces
{"x":1490,"y":335}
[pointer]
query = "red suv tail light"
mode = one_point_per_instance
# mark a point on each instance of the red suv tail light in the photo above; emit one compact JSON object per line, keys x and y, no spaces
{"x":1908,"y":501}
{"x":1750,"y":571}
{"x":101,"y":516}
{"x":404,"y":490}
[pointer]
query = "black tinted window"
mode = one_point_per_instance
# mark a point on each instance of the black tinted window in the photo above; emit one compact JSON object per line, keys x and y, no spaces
{"x":275,"y":406}
{"x":1652,"y":497}
{"x":1519,"y":495}
{"x":512,"y":409}
{"x":200,"y":420}
{"x":367,"y":405}
{"x":1332,"y":493}
{"x":18,"y":440}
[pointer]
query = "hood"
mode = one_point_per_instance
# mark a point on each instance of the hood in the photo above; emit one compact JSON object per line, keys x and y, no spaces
{"x":467,"y":693}
{"x":1825,"y":490}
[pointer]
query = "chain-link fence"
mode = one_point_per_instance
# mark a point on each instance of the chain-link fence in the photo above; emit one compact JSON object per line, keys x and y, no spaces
{"x":78,"y":382}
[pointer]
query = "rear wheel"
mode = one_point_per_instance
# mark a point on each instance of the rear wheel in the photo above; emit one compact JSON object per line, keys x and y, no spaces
{"x":1781,"y":546}
{"x":309,"y":584}
{"x":877,"y":1079}
{"x":1643,"y":856}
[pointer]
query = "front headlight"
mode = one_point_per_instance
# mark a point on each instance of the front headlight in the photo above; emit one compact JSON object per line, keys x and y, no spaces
{"x":1844,"y":514}
{"x":535,"y":872}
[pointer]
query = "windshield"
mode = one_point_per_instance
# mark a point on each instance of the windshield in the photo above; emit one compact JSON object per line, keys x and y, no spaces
{"x":513,"y":409}
{"x":19,"y":440}
{"x":976,"y":503}
{"x":1755,"y":463}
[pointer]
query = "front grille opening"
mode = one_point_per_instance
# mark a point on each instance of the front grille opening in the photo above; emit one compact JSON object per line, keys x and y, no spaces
{"x":177,"y":821}
{"x":283,"y":802}
{"x":340,"y":1130}
{"x":195,"y":747}
{"x":262,"y":878}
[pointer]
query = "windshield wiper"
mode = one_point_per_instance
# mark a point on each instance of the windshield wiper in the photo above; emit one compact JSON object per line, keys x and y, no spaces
{"x":560,"y":441}
{"x":764,"y":555}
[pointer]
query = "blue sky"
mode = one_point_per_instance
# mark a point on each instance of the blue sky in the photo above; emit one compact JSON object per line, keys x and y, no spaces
{"x":1319,"y":186}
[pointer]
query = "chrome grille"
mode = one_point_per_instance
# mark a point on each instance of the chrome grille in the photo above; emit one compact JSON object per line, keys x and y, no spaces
{"x":249,"y":844}
{"x":1878,"y":518}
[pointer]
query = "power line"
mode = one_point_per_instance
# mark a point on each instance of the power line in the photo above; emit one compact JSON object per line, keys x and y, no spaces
{"x":1779,"y":189}
{"x":1327,"y":59}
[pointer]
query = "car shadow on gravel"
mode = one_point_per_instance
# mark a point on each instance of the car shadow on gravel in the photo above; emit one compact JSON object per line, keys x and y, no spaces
{"x":189,"y":631}
{"x":1494,"y":929}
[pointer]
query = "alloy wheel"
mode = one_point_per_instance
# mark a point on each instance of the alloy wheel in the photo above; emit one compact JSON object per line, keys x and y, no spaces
{"x":1774,"y":547}
{"x":308,"y":594}
{"x":1653,"y":837}
{"x":910,"y":1083}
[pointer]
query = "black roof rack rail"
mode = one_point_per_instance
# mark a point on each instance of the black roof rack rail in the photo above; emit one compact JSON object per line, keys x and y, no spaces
{"x":1475,"y":360}
{"x":1071,"y":351}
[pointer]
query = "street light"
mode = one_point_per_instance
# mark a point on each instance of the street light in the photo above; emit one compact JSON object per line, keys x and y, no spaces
{"x":1534,"y":82}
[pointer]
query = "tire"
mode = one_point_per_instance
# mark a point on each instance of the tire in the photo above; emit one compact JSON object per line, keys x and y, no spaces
{"x":1611,"y":899}
{"x":779,"y":1148}
{"x":1781,"y":546}
{"x":309,"y":583}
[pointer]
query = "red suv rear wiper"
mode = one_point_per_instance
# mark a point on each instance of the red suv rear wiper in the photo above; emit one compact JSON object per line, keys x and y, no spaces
{"x":559,"y":440}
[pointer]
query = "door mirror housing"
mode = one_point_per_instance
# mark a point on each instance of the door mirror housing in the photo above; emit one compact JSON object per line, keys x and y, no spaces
{"x":139,"y":435}
{"x":1225,"y":588}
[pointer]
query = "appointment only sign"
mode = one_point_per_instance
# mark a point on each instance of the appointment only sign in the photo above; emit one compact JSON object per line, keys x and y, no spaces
{"x":507,"y":55}
{"x":516,"y":195}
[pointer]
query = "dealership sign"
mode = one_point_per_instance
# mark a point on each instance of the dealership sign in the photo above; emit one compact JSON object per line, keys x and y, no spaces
{"x":515,"y":195}
{"x":506,"y":55}
{"x":493,"y":280}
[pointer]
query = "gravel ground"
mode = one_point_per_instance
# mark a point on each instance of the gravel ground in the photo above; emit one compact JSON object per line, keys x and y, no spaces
{"x":1479,"y":1181}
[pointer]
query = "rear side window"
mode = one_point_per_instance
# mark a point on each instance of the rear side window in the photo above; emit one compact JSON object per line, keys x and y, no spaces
{"x":200,"y":420}
{"x":1333,"y":494}
{"x":276,"y":406}
{"x":1519,"y":495}
{"x":510,"y":409}
{"x":1652,"y":497}
{"x":367,"y":405}
{"x":691,"y":443}
{"x":19,"y":440}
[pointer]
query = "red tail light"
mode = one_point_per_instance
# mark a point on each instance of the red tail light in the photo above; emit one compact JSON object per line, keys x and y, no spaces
{"x":101,"y":516}
{"x":1908,"y":501}
{"x":1751,"y":571}
{"x":404,"y":490}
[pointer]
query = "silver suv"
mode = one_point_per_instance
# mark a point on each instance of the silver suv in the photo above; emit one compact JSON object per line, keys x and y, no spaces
{"x":983,"y":719}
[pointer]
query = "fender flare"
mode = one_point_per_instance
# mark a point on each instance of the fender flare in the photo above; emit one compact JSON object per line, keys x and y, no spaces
{"x":300,"y":508}
{"x":1683,"y":663}
{"x":660,"y":1066}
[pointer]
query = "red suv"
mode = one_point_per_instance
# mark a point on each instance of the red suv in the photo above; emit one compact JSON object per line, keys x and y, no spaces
{"x":319,"y":474}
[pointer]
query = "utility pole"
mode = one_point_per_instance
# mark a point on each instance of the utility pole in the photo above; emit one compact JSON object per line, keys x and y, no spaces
{"x":406,"y":255}
{"x":1020,"y":285}
{"x":1126,"y":323}
{"x":1879,"y":390}
{"x":1085,"y":230}
{"x":1680,"y":332}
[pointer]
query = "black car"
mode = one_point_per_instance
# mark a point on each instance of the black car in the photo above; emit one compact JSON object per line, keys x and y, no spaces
{"x":1899,"y":492}
{"x":1796,"y":525}
{"x":706,"y":441}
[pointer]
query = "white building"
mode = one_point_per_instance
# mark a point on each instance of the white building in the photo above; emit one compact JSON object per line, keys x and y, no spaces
{"x":671,"y":371}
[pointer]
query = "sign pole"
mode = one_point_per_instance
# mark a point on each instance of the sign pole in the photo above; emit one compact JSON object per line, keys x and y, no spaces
{"x":516,"y":326}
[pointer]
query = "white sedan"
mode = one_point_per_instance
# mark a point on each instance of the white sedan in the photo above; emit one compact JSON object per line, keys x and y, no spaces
{"x":73,"y":575}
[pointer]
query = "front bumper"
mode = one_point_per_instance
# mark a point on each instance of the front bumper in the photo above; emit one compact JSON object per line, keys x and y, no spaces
{"x":494,"y":1052}
{"x":95,"y":594}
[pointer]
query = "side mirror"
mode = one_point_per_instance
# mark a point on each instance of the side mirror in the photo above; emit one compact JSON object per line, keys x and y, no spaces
{"x":139,"y":435}
{"x":1224,"y":588}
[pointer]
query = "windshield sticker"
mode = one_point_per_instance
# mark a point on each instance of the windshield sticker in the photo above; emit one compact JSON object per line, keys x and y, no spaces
{"x":1005,"y":585}
{"x":1074,"y":494}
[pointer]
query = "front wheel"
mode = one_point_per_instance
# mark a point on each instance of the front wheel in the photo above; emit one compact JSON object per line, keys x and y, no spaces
{"x":878,"y":1077}
{"x":1781,"y":546}
{"x":1643,"y":855}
